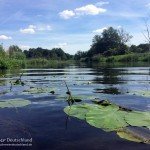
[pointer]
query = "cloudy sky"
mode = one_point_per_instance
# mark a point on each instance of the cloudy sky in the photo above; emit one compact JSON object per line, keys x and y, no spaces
{"x":69,"y":24}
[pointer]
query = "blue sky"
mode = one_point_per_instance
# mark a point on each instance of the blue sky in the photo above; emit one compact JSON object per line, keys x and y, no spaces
{"x":69,"y":24}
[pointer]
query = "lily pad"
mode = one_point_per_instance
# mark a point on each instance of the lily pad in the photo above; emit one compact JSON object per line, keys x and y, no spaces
{"x":14,"y":103}
{"x":107,"y":118}
{"x":78,"y":111}
{"x":112,"y":118}
{"x":145,"y":93}
{"x":34,"y":90}
{"x":135,"y":134}
{"x":128,"y":136}
{"x":137,"y":118}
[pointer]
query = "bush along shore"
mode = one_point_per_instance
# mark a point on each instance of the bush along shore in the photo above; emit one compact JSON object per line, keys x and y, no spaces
{"x":14,"y":57}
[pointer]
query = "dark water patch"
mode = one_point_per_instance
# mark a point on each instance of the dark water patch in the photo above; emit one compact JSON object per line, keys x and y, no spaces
{"x":111,"y":90}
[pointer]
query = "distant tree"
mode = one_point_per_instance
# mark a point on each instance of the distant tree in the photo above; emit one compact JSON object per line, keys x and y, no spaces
{"x":2,"y":51}
{"x":79,"y":55}
{"x":55,"y":53}
{"x":110,"y":40}
{"x":124,"y":36}
{"x":146,"y":32}
{"x":15,"y":52}
{"x":144,"y":48}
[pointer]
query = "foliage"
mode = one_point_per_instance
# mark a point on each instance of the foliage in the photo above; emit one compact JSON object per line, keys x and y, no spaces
{"x":16,"y":53}
{"x":111,"y":118}
{"x":109,"y":39}
{"x":14,"y":103}
{"x":54,"y":54}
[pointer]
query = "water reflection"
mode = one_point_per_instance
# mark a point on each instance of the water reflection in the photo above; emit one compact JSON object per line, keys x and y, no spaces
{"x":108,"y":76}
{"x":45,"y":119}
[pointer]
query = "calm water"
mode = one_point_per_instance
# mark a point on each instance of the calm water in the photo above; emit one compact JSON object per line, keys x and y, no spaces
{"x":44,"y":120}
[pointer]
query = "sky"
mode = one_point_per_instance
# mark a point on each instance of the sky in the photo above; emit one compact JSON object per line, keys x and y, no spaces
{"x":69,"y":24}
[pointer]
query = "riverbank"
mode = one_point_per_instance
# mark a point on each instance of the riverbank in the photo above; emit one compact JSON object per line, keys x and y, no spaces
{"x":40,"y":62}
{"x":134,"y":57}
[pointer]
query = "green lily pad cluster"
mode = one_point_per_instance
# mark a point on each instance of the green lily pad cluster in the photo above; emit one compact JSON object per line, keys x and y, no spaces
{"x":35,"y":90}
{"x":14,"y":103}
{"x":143,"y":93}
{"x":110,"y":118}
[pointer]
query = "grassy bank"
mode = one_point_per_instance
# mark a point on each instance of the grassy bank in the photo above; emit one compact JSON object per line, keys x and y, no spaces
{"x":30,"y":63}
{"x":44,"y":63}
{"x":135,"y":57}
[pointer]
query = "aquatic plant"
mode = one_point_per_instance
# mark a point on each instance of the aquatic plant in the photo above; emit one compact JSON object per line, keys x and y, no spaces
{"x":14,"y":103}
{"x":70,"y":98}
{"x":111,"y":117}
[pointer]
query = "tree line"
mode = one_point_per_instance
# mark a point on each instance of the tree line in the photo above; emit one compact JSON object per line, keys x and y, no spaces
{"x":14,"y":52}
{"x":111,"y":42}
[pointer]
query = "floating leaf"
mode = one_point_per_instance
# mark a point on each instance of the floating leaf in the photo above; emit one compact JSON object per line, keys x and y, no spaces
{"x":107,"y":118}
{"x":78,"y":111}
{"x":145,"y":93}
{"x":128,"y":136}
{"x":135,"y":134}
{"x":14,"y":103}
{"x":34,"y":90}
{"x":112,"y":118}
{"x":137,"y":118}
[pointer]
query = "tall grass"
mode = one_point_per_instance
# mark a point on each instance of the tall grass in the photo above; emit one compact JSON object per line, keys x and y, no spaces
{"x":6,"y":63}
{"x":44,"y":63}
{"x":135,"y":57}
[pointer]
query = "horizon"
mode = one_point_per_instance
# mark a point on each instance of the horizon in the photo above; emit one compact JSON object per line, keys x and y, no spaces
{"x":71,"y":25}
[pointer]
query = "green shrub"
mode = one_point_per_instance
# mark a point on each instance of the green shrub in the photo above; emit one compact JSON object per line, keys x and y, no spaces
{"x":128,"y":58}
{"x":4,"y":64}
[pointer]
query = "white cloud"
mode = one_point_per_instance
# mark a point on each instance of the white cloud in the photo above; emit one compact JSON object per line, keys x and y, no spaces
{"x":61,"y":45}
{"x":119,"y":27}
{"x":32,"y":26}
{"x":32,"y":29}
{"x":44,"y":28}
{"x":4,"y":37}
{"x":89,"y":9}
{"x":29,"y":30}
{"x":101,"y":3}
{"x":99,"y":30}
{"x":66,"y":14}
{"x":24,"y":47}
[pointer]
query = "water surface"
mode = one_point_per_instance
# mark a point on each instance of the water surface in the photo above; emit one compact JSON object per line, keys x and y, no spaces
{"x":44,"y":119}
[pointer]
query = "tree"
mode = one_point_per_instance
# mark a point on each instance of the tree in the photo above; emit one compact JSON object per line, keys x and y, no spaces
{"x":124,"y":36}
{"x":55,"y":53}
{"x":79,"y":55}
{"x":15,"y":52}
{"x":108,"y":40}
{"x":146,"y":32}
{"x":2,"y":51}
